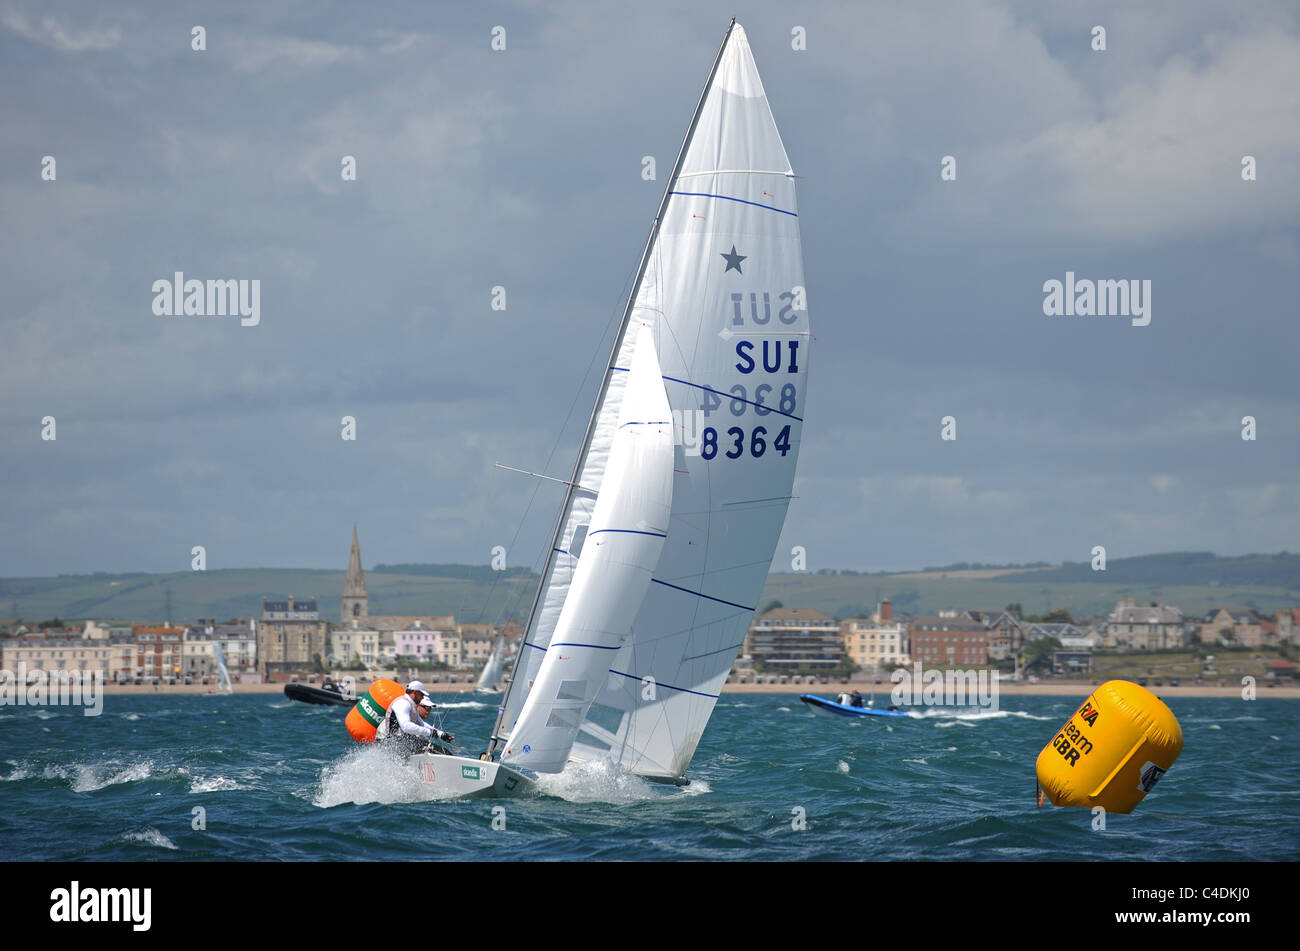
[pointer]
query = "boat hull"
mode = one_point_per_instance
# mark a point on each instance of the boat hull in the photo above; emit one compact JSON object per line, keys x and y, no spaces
{"x":831,"y":708}
{"x":459,"y":777}
{"x":306,"y":694}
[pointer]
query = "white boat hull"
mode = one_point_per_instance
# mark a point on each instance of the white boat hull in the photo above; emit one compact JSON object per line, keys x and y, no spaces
{"x":459,"y":777}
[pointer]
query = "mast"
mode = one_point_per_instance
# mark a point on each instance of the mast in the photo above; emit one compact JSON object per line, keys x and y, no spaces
{"x":604,"y":385}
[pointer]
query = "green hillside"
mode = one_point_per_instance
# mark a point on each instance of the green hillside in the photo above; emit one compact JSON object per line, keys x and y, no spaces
{"x":239,"y":593}
{"x":1194,"y":582}
{"x":1182,"y":568}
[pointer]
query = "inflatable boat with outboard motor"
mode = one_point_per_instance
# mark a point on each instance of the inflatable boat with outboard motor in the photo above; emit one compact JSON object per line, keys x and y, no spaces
{"x":831,"y":708}
{"x":327,"y":694}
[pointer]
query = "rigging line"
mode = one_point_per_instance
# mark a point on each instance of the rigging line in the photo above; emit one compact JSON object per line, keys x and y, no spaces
{"x":541,"y":558}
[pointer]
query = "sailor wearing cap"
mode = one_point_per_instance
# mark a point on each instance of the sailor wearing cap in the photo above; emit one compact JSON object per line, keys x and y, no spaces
{"x":403,"y":725}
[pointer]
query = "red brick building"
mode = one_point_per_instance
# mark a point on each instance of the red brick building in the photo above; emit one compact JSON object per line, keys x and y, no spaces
{"x":948,"y":642}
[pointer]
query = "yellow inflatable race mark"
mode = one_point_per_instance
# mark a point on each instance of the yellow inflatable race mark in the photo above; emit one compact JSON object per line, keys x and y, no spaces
{"x":364,"y":719}
{"x":1112,"y":751}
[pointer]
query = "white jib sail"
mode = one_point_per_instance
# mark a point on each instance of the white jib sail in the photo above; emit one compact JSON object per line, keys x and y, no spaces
{"x":622,"y":548}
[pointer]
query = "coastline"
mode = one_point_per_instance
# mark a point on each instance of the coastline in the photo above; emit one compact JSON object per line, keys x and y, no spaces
{"x":1063,"y":689}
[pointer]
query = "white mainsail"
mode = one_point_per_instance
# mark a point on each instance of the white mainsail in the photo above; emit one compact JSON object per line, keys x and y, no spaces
{"x":722,"y":285}
{"x":492,"y":670}
{"x":625,"y":538}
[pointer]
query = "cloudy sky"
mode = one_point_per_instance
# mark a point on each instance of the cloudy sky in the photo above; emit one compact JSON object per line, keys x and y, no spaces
{"x":522,"y":168}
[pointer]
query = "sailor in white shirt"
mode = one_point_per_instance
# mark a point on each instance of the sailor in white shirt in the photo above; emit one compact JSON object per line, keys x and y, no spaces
{"x":404,"y":726}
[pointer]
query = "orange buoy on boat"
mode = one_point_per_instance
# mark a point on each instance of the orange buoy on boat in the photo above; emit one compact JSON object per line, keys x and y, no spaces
{"x":364,"y":718}
{"x":1112,"y":751}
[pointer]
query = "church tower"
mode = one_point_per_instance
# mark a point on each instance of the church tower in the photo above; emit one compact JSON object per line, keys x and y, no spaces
{"x":355,"y":602}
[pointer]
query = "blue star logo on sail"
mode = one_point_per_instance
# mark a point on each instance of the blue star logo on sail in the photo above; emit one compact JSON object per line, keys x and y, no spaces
{"x":733,"y":260}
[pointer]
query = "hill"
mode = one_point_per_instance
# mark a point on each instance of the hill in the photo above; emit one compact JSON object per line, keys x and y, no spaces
{"x":1194,"y":581}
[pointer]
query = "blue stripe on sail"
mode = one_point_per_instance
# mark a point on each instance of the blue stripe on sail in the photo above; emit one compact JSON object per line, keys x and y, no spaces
{"x":652,"y":422}
{"x":535,"y":647}
{"x":560,"y":550}
{"x":725,"y":396}
{"x":596,"y":646}
{"x":741,"y":200}
{"x":707,"y":597}
{"x":627,"y":531}
{"x":698,"y":693}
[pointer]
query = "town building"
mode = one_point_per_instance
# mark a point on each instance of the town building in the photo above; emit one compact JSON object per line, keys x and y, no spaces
{"x":290,"y":636}
{"x":1154,"y":627}
{"x":798,"y":639}
{"x":1231,"y":627}
{"x":197,"y":656}
{"x":418,"y":645}
{"x":356,"y":603}
{"x":875,"y":641}
{"x":159,"y":651}
{"x":1005,"y":630}
{"x":66,"y":651}
{"x":947,"y":640}
{"x":1287,"y":625}
{"x":352,"y":647}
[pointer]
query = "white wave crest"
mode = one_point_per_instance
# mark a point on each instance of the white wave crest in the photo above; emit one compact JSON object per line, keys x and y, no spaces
{"x":213,"y":784}
{"x":150,"y":836}
{"x":90,"y":777}
{"x":965,"y":713}
{"x":370,"y":774}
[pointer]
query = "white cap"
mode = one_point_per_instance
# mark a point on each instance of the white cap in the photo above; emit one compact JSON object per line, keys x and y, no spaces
{"x":416,"y":685}
{"x":426,"y":702}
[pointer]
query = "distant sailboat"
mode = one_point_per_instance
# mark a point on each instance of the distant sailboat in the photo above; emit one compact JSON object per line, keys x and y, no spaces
{"x":493,"y":669}
{"x":680,"y":490}
{"x":219,"y":656}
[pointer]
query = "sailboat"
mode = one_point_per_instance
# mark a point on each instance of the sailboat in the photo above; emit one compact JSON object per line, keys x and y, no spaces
{"x":679,"y":493}
{"x":493,"y":669}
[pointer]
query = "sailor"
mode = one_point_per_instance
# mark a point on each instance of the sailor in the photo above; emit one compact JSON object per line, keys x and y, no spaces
{"x":403,"y":727}
{"x":426,"y":707}
{"x":856,"y":699}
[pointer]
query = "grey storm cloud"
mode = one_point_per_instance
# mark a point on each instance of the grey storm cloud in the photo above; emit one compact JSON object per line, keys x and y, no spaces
{"x":523,"y":169}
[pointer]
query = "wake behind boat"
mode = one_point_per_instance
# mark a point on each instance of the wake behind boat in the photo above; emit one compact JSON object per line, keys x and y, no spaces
{"x":832,"y":708}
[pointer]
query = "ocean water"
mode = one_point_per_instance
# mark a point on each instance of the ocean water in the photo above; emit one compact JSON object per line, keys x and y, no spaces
{"x":276,"y":780}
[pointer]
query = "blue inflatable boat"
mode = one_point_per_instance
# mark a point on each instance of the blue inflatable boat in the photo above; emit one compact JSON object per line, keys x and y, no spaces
{"x":831,"y":708}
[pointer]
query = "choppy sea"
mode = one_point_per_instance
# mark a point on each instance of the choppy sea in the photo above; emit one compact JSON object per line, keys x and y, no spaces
{"x":260,"y":777}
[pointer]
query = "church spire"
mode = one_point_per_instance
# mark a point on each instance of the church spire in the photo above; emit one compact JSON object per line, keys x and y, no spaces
{"x":355,"y":602}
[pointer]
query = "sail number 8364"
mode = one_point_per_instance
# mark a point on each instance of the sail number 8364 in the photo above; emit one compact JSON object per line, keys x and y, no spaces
{"x":735,"y":444}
